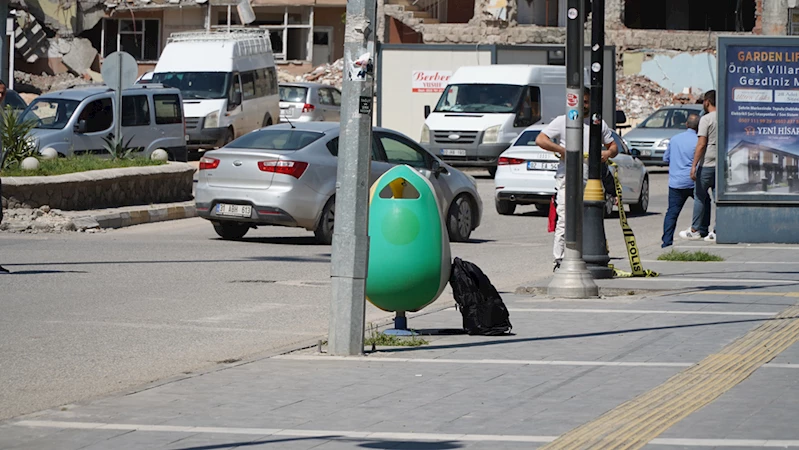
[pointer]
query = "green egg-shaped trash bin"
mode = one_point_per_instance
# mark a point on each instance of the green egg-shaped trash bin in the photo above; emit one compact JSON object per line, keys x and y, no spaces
{"x":409,"y":254}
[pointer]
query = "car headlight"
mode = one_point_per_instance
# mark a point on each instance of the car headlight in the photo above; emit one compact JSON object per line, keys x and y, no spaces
{"x":491,"y":135}
{"x":425,"y":138}
{"x":663,"y":144}
{"x":211,"y":120}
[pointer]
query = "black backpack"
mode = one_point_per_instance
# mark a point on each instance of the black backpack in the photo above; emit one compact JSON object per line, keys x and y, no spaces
{"x":482,"y":308}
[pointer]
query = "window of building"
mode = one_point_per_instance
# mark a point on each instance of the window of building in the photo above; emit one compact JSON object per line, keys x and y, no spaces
{"x":709,"y":15}
{"x":141,"y":38}
{"x":290,"y":30}
{"x":167,"y":109}
{"x":99,"y":115}
{"x":793,"y":21}
{"x":135,"y":111}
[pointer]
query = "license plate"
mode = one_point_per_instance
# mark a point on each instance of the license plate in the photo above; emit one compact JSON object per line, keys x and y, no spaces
{"x":234,"y":210}
{"x":453,"y":152}
{"x":287,"y":111}
{"x":537,"y":165}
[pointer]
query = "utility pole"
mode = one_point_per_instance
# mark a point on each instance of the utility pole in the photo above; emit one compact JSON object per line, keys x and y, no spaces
{"x":5,"y":51}
{"x":596,"y":249}
{"x":350,"y":251}
{"x":573,"y":280}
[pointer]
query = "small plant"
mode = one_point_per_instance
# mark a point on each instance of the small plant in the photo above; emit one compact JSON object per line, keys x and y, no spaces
{"x":377,"y":338}
{"x":700,"y":255}
{"x":16,"y":138}
{"x":119,"y":149}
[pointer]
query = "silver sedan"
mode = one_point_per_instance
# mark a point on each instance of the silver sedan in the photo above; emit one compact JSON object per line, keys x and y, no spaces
{"x":285,"y":175}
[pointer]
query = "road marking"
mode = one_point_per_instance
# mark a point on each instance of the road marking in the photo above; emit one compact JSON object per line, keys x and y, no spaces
{"x":380,"y":435}
{"x":636,"y":422}
{"x":673,"y":278}
{"x":642,"y":311}
{"x":517,"y":362}
{"x":767,"y":294}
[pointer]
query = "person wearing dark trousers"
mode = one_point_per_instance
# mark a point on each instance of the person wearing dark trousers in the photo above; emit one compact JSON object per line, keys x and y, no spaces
{"x":2,"y":161}
{"x":703,"y":172}
{"x":680,"y":156}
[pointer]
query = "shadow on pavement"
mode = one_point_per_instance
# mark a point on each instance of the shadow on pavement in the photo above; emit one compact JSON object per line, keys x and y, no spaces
{"x":577,"y":336}
{"x":41,"y":272}
{"x":373,"y":444}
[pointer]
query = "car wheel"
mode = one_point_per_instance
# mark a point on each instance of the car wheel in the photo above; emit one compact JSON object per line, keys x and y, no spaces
{"x":324,"y":231}
{"x":459,"y":219}
{"x":230,"y":230}
{"x":643,"y":200}
{"x":267,"y":121}
{"x":228,"y":137}
{"x":492,"y":172}
{"x":609,"y":205}
{"x":505,"y":207}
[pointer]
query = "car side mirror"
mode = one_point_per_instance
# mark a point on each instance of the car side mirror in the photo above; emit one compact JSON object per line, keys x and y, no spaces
{"x":437,"y":169}
{"x":620,"y":117}
{"x":426,"y":111}
{"x":81,"y":127}
{"x":236,"y":100}
{"x":635,"y":152}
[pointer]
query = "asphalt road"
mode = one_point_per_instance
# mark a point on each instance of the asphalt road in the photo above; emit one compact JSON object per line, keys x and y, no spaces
{"x":88,"y":314}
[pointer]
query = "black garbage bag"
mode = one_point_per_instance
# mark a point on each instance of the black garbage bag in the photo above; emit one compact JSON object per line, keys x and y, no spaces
{"x":480,"y":304}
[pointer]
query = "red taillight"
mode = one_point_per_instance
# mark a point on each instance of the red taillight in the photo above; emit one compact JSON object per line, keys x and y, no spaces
{"x":308,"y":108}
{"x":503,"y":161}
{"x":293,"y":168}
{"x":207,"y":163}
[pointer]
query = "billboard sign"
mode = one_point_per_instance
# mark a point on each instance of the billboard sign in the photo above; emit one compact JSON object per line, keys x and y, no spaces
{"x":430,"y":81}
{"x":758,"y":100}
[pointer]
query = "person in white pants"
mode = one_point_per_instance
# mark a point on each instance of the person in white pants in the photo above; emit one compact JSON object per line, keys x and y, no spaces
{"x":553,"y":139}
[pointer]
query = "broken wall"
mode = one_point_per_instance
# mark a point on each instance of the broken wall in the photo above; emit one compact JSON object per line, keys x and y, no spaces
{"x":675,"y":71}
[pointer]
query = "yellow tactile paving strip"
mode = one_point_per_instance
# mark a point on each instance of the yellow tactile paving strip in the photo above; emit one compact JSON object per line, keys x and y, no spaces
{"x":633,"y":424}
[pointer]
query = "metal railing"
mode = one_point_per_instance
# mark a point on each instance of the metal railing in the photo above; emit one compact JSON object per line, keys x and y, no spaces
{"x":249,"y":41}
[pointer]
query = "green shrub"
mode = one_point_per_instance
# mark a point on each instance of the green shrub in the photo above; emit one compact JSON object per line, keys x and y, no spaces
{"x":15,"y":136}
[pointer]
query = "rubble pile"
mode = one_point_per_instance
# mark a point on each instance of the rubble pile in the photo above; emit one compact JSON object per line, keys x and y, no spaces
{"x":638,"y":96}
{"x":330,"y":74}
{"x":39,"y":220}
{"x":38,"y":84}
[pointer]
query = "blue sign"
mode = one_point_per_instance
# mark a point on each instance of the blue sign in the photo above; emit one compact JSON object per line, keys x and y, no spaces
{"x":760,"y":145}
{"x":573,"y":114}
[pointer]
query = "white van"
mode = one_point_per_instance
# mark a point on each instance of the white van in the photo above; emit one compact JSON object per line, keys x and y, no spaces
{"x":485,"y":107}
{"x":228,"y":82}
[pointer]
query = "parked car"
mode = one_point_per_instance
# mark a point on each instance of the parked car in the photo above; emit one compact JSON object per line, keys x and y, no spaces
{"x":526,"y":176}
{"x":14,"y":101}
{"x":75,"y":121}
{"x":651,"y":137}
{"x":285,"y":175}
{"x":309,"y":102}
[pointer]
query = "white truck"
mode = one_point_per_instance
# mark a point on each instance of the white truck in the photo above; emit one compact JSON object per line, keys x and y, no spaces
{"x":484,"y":108}
{"x":228,"y":81}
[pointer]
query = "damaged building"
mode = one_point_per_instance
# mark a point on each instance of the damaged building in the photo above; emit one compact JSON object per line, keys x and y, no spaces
{"x":55,"y":37}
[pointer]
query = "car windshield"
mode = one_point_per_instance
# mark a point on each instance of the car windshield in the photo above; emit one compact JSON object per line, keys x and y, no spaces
{"x":202,"y":85}
{"x":527,"y":139}
{"x":293,"y":94}
{"x":480,"y":98}
{"x":50,"y":113}
{"x":669,"y":118}
{"x":288,"y":140}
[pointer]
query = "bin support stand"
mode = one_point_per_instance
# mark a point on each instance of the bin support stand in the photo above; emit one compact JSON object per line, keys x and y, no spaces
{"x":400,"y":326}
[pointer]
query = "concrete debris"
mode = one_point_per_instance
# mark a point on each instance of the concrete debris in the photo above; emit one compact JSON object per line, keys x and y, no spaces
{"x":30,"y":39}
{"x":638,"y":97}
{"x":329,"y":74}
{"x":38,"y":84}
{"x":79,"y":56}
{"x":38,"y":220}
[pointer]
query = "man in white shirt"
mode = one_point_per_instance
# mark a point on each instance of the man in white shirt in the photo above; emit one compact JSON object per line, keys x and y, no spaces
{"x":553,"y":139}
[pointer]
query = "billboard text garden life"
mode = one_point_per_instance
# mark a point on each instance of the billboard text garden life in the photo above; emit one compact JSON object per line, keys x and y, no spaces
{"x":761,"y":145}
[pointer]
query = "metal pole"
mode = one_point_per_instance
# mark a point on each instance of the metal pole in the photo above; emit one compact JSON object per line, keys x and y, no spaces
{"x":350,"y":251}
{"x":596,"y":249}
{"x":573,"y":280}
{"x":118,"y":118}
{"x":4,"y":50}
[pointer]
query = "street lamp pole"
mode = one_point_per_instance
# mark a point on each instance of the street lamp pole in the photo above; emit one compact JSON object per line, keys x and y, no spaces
{"x":350,"y":250}
{"x":596,"y":249}
{"x":573,"y":280}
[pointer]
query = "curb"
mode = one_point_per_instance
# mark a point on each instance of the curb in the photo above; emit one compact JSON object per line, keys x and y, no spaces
{"x":135,"y":217}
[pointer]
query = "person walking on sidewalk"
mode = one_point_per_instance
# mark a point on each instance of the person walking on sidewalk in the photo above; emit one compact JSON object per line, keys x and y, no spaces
{"x":703,"y":172}
{"x":680,"y":156}
{"x":553,"y":139}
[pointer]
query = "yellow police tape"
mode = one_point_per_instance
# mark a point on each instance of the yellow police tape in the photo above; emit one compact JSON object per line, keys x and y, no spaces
{"x":629,"y":238}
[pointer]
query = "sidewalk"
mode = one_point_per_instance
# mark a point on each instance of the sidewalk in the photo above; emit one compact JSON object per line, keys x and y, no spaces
{"x":131,"y":215}
{"x":700,"y":376}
